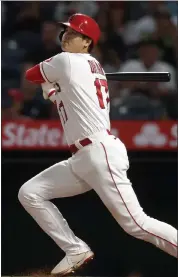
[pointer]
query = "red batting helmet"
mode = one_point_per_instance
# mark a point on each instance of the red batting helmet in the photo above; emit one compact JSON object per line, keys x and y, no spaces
{"x":84,"y":25}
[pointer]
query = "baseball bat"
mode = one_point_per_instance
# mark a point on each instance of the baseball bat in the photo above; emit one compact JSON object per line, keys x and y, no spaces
{"x":139,"y":76}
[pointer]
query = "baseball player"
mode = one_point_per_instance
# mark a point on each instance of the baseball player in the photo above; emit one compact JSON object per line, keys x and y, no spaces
{"x":76,"y":83}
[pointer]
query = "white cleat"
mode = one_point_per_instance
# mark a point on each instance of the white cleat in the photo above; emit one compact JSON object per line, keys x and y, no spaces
{"x":71,"y":263}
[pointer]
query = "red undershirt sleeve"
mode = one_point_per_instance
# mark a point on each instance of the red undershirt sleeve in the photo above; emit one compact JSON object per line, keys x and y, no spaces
{"x":34,"y":75}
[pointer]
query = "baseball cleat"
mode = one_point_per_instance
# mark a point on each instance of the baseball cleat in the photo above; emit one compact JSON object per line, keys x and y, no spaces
{"x":70,"y":263}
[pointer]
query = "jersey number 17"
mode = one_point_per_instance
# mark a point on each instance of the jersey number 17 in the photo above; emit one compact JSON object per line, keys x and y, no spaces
{"x":99,"y":83}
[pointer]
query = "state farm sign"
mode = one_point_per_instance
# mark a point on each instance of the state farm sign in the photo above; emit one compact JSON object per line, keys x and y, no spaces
{"x":137,"y":135}
{"x":29,"y":135}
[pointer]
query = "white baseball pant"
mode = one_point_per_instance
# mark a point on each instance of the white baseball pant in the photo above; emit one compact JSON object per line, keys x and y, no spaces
{"x":101,"y":166}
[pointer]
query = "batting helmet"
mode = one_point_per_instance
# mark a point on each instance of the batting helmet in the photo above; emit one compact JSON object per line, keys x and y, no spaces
{"x":84,"y":25}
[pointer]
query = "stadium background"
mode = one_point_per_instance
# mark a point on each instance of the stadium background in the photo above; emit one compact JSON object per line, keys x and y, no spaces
{"x":136,"y":36}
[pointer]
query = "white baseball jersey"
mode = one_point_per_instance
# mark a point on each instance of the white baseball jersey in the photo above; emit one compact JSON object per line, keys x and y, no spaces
{"x":82,"y":105}
{"x":82,"y":94}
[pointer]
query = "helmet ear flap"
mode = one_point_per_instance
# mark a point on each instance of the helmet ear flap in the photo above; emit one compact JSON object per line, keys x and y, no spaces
{"x":61,"y":33}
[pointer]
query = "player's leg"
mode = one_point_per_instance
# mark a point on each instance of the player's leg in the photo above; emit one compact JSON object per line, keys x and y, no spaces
{"x":54,"y":182}
{"x":107,"y":163}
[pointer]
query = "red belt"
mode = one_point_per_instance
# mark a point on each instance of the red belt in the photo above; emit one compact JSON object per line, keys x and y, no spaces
{"x":84,"y":142}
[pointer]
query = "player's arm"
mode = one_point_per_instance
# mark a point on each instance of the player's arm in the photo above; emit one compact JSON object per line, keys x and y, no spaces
{"x":50,"y":71}
{"x":34,"y":75}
